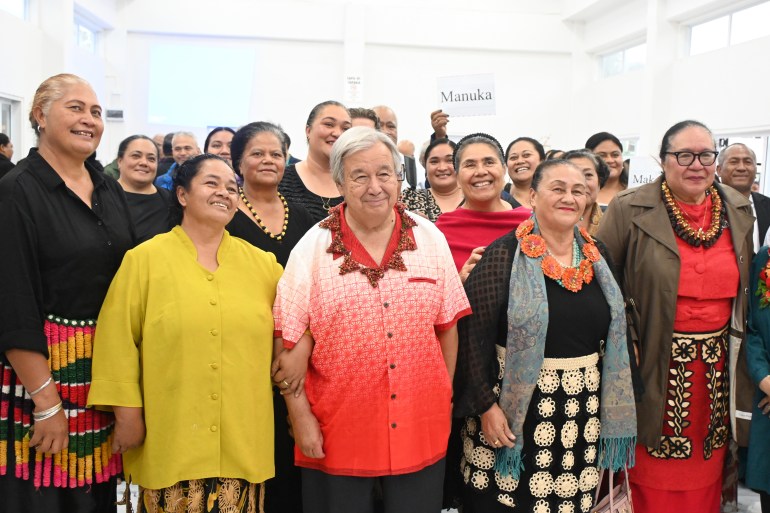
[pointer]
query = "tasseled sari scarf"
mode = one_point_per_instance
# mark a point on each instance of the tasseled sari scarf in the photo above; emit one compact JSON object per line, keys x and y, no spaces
{"x":527,"y":328}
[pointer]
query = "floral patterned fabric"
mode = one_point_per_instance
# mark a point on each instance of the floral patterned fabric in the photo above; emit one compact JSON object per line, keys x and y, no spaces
{"x":214,"y":495}
{"x":561,"y":454}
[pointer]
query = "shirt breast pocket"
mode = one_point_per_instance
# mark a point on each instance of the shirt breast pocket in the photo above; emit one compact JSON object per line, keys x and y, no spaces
{"x":426,"y":293}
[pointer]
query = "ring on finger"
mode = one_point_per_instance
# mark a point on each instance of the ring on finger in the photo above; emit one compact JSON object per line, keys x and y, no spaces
{"x":286,"y":383}
{"x":497,"y":442}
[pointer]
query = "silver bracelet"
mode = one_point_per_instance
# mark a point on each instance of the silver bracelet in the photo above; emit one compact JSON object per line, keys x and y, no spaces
{"x":41,"y":387}
{"x":47,"y":414}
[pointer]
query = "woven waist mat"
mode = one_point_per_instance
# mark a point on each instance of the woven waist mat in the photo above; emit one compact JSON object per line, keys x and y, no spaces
{"x":88,"y":458}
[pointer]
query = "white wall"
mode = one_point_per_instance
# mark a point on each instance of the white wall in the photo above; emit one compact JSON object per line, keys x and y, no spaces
{"x":543,"y":54}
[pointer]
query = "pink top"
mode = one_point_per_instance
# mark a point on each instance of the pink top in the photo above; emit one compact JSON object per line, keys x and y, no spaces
{"x":377,"y":381}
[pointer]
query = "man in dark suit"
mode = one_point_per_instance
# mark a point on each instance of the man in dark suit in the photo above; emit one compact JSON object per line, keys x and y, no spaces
{"x":737,"y":167}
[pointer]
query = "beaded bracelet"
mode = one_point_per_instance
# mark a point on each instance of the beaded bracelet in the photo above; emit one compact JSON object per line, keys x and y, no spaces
{"x":41,"y":387}
{"x":47,"y":414}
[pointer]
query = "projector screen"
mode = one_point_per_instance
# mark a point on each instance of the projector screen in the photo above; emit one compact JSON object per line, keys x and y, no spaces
{"x":199,"y":85}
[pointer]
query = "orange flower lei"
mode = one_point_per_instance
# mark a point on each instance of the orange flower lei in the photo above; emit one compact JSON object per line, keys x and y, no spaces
{"x":571,"y":278}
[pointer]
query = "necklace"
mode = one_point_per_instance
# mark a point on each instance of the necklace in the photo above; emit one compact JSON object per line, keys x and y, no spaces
{"x":325,"y":203}
{"x":684,"y":229}
{"x":349,"y":265}
{"x":259,"y":219}
{"x":571,"y":277}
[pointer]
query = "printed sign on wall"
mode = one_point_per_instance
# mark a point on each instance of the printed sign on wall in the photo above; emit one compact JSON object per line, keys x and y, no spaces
{"x":642,"y":170}
{"x":467,"y":95}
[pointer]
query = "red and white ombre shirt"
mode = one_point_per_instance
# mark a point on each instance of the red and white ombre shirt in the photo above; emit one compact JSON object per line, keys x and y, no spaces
{"x":376,"y":381}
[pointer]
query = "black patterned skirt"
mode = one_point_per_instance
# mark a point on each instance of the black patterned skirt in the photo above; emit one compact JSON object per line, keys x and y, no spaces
{"x":561,"y":438}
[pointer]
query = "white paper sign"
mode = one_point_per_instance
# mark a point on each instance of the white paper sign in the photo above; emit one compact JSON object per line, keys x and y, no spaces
{"x":642,"y":170}
{"x":467,"y":95}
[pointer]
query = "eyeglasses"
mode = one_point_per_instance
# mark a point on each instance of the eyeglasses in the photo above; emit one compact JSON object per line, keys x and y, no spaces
{"x":685,"y":158}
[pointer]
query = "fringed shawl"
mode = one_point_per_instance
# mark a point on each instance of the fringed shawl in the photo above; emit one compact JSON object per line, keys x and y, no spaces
{"x":527,"y":328}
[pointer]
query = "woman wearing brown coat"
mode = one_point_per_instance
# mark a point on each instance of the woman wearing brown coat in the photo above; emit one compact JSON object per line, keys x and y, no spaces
{"x":683,"y":245}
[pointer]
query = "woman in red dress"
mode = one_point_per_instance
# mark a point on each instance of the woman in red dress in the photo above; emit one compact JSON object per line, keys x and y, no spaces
{"x":683,"y":245}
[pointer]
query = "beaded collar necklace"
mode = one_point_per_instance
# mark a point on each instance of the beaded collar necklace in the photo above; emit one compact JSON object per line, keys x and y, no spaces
{"x":259,"y":219}
{"x":571,"y":277}
{"x":349,"y":265}
{"x":684,"y":229}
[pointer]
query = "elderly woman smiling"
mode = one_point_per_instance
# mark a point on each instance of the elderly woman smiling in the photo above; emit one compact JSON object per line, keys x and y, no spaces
{"x":542,"y":409}
{"x":376,"y":287}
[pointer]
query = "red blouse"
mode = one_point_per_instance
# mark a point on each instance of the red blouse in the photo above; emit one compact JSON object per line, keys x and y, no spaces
{"x":466,"y":230}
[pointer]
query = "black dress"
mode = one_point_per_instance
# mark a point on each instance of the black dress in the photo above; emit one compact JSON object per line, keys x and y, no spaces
{"x":561,"y":428}
{"x":5,"y":165}
{"x":294,"y":189}
{"x":151,"y":213}
{"x":283,"y":493}
{"x":243,"y":226}
{"x":58,"y":257}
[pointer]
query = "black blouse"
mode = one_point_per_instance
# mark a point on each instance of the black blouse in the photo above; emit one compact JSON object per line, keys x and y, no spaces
{"x":574,"y":329}
{"x":294,"y":189}
{"x":243,"y":226}
{"x":151,"y":213}
{"x":57,"y":255}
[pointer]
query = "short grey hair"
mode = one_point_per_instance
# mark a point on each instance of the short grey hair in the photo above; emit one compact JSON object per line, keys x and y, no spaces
{"x":184,"y":134}
{"x":353,"y":140}
{"x":723,"y":154}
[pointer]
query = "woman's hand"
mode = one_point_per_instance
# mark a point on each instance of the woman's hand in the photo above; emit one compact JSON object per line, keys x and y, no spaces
{"x":764,"y":403}
{"x":469,"y":264}
{"x":439,"y":120}
{"x":288,"y":371}
{"x":129,"y":429}
{"x":290,"y":365}
{"x":50,"y":435}
{"x":494,"y":425}
{"x":308,"y":436}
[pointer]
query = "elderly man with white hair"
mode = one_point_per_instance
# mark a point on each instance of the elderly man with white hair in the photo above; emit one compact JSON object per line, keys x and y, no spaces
{"x":371,"y":297}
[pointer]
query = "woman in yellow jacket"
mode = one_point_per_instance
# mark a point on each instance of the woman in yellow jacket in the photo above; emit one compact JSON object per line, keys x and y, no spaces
{"x":185,"y":355}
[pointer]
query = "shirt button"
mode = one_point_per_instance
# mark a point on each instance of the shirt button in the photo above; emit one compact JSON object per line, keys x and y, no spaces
{"x":392,"y":365}
{"x":212,"y":301}
{"x":390,"y":335}
{"x":214,"y":333}
{"x":214,"y":366}
{"x":392,"y":396}
{"x":393,"y":425}
{"x":99,"y":222}
{"x":386,"y":304}
{"x":210,"y":277}
{"x":740,"y":259}
{"x":109,"y":243}
{"x":214,"y":397}
{"x":700,"y":268}
{"x":213,"y":429}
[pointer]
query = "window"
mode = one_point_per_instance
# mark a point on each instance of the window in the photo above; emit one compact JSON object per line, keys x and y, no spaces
{"x":751,"y":23}
{"x":710,"y":36}
{"x":623,"y":61}
{"x":16,"y":7}
{"x":85,"y":34}
{"x":731,"y":29}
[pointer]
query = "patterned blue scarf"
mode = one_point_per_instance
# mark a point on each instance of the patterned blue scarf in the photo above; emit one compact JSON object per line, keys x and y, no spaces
{"x":527,"y":327}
